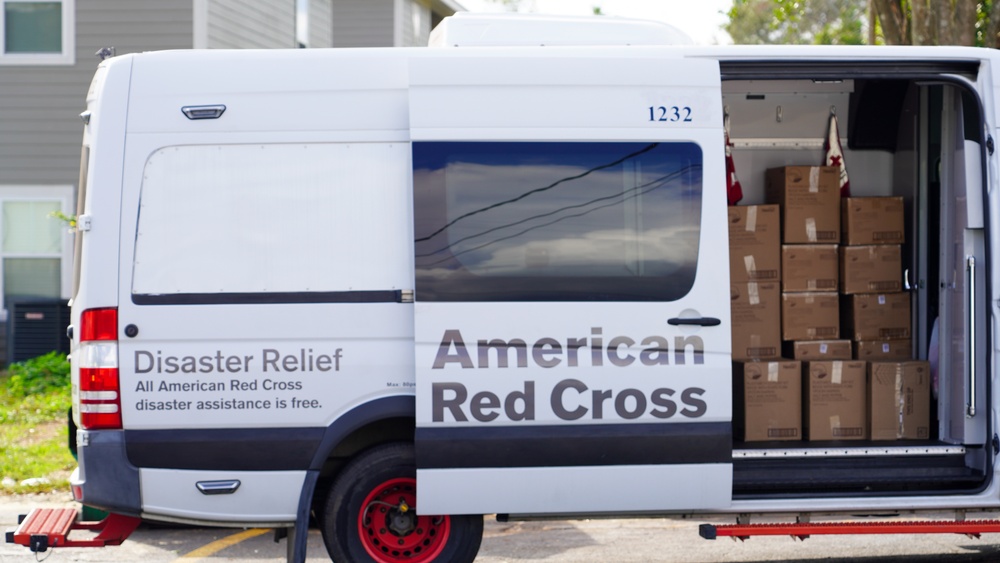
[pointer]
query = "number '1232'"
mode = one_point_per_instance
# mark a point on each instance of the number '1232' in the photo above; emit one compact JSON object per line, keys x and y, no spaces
{"x":670,"y":114}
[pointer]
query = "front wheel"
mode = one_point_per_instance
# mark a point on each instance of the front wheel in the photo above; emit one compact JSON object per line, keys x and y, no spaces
{"x":371,"y":515}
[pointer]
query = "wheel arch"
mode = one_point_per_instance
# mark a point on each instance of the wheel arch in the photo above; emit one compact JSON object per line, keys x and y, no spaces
{"x":389,"y":419}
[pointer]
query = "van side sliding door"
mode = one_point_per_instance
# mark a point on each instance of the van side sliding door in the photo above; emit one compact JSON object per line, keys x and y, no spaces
{"x":571,"y":295}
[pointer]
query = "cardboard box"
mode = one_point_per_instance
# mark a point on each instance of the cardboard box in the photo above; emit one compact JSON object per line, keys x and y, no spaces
{"x":883,"y":350}
{"x":810,"y":202}
{"x":877,"y":316}
{"x":754,"y":243}
{"x":835,"y":401}
{"x":810,"y":316}
{"x":872,"y":220}
{"x":871,"y":269}
{"x":756,"y":316}
{"x":900,"y":400}
{"x":768,"y":400}
{"x":809,"y":267}
{"x":819,"y":350}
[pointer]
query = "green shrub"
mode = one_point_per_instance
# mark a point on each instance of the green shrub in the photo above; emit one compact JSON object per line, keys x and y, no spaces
{"x":39,"y":375}
{"x":34,"y":400}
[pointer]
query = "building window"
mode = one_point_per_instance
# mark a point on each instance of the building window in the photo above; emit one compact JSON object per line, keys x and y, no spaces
{"x":37,"y":32}
{"x":34,"y":246}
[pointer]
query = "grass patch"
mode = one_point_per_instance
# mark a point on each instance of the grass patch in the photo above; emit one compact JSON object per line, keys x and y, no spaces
{"x":34,"y":400}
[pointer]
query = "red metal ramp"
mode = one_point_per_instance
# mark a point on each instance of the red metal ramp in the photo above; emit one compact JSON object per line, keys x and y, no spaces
{"x":43,"y":528}
{"x":803,"y":530}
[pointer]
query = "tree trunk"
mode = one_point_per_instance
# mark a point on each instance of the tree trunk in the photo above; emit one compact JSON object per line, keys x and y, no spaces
{"x":963,"y":23}
{"x":893,"y":20}
{"x":992,"y":38}
{"x":922,"y":21}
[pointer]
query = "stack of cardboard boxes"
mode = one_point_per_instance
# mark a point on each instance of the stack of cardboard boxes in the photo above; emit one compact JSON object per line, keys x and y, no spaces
{"x":770,"y":390}
{"x":877,"y":317}
{"x":795,"y":378}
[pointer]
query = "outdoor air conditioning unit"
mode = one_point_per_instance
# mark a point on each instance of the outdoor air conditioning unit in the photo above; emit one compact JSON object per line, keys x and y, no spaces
{"x":36,"y":327}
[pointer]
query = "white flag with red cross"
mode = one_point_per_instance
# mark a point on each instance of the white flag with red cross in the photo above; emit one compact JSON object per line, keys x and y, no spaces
{"x":835,"y":155}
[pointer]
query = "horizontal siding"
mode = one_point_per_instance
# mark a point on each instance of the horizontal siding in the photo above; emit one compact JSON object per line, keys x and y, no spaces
{"x":320,"y":23}
{"x":40,"y":128}
{"x":363,"y":23}
{"x":251,"y":24}
{"x":416,"y":23}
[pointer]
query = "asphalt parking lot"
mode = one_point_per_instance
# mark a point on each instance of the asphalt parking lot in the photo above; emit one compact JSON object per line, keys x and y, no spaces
{"x":619,"y":540}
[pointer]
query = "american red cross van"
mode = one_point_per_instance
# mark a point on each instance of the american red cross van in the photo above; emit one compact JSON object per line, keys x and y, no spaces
{"x":399,"y":289}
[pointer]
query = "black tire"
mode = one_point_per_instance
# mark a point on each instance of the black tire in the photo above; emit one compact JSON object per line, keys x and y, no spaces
{"x":372,"y":477}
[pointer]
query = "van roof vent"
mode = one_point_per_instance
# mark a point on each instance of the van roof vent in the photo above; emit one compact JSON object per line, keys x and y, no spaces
{"x":466,"y":29}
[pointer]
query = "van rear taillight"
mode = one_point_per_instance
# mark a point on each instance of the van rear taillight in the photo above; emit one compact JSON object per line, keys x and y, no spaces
{"x":97,"y":356}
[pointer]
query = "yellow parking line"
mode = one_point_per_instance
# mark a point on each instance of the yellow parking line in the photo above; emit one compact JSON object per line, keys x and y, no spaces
{"x":219,"y":545}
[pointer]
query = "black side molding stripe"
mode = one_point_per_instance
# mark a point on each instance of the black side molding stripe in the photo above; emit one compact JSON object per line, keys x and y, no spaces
{"x":379,"y":296}
{"x":575,"y":445}
{"x":250,"y":449}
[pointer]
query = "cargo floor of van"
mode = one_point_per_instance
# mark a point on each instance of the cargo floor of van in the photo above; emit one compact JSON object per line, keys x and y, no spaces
{"x":810,"y":468}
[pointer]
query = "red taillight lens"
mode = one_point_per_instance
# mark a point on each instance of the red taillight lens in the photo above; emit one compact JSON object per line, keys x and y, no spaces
{"x":97,"y":356}
{"x":99,"y":324}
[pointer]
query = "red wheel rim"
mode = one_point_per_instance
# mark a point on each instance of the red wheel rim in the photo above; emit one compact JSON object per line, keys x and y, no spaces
{"x":390,"y":529}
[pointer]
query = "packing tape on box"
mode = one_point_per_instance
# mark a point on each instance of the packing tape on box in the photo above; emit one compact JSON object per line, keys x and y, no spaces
{"x":813,"y":179}
{"x":753,"y":293}
{"x":772,"y":372}
{"x":811,"y":229}
{"x":838,"y":373}
{"x":834,"y":423}
{"x":900,"y":400}
{"x":751,"y":265}
{"x":751,"y":225}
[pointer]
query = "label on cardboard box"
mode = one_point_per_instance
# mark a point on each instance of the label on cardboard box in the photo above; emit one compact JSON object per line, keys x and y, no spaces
{"x":768,"y":400}
{"x":756,"y":318}
{"x":819,"y":350}
{"x":871,"y":269}
{"x":877,"y":316}
{"x":872,"y":220}
{"x":899,"y":400}
{"x":754,"y":243}
{"x":835,"y":400}
{"x":810,"y":202}
{"x":809,"y":267}
{"x":883,"y":350}
{"x":810,"y":316}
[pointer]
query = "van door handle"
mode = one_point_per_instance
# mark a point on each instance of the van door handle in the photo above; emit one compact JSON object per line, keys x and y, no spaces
{"x":970,"y":286}
{"x":699,"y":321}
{"x":226,"y":487}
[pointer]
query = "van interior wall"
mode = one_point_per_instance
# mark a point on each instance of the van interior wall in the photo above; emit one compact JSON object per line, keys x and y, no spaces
{"x":785,"y":122}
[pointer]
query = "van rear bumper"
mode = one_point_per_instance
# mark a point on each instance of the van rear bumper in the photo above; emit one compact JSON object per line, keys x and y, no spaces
{"x":105,"y":479}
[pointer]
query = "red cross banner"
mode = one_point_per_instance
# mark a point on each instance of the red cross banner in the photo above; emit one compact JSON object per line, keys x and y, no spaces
{"x":734,"y":191}
{"x":835,"y":155}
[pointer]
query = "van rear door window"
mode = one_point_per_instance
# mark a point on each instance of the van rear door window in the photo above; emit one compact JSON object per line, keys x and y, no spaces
{"x":556,"y":221}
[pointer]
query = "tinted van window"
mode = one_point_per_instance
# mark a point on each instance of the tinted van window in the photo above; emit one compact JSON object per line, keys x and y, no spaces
{"x":556,"y":221}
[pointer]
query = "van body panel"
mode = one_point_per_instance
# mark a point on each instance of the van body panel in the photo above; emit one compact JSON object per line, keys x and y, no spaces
{"x":260,"y":497}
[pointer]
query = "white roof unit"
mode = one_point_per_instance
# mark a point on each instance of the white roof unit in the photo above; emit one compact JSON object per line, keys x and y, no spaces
{"x":466,"y":29}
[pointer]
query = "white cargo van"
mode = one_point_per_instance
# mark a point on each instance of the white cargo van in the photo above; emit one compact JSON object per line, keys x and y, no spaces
{"x":380,"y":286}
